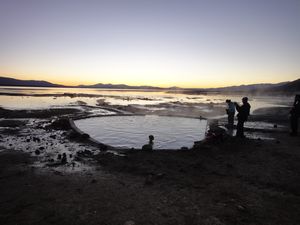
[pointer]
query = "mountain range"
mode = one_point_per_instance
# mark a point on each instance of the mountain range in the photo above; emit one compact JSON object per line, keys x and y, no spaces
{"x":288,"y":87}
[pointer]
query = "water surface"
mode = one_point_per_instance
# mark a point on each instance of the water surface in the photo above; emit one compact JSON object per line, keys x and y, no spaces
{"x":133,"y":131}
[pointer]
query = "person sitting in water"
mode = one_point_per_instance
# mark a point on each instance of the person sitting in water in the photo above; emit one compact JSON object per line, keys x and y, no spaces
{"x":294,"y":115}
{"x":149,"y":147}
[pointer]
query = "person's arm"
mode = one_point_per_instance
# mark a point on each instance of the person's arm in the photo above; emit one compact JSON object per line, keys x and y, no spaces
{"x":237,"y":106}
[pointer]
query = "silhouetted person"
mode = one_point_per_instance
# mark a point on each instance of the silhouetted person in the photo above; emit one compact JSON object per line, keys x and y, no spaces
{"x":294,"y":115}
{"x":149,"y":146}
{"x":230,"y":110}
{"x":243,"y":113}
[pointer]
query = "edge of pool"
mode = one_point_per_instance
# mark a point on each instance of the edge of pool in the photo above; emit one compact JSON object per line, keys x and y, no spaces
{"x":106,"y":147}
{"x":91,"y":140}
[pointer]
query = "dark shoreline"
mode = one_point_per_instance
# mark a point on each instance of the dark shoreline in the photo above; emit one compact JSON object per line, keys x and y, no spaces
{"x":230,"y":181}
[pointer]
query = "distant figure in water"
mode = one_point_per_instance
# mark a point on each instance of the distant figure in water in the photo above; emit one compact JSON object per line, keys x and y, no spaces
{"x":230,"y":110}
{"x":294,"y":115}
{"x":149,"y":146}
{"x":243,"y":113}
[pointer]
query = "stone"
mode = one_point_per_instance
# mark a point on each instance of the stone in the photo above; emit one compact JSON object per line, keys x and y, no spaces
{"x":35,"y":139}
{"x":37,"y":152}
{"x":129,"y":222}
{"x":149,"y":180}
{"x":64,"y":158}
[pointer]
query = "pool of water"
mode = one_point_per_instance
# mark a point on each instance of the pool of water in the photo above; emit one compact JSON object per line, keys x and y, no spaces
{"x":133,"y":131}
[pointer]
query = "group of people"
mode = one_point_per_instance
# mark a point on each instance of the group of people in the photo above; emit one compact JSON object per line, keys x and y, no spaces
{"x":242,"y":116}
{"x":243,"y":113}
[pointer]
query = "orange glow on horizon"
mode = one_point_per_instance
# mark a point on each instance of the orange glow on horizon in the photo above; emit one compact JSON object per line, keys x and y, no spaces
{"x":201,"y":83}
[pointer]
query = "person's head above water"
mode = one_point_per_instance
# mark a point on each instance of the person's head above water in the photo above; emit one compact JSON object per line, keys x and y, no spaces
{"x":228,"y":100}
{"x":245,"y":100}
{"x":151,"y":138}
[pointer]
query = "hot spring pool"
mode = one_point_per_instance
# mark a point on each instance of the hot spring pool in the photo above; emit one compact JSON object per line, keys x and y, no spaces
{"x":133,"y":131}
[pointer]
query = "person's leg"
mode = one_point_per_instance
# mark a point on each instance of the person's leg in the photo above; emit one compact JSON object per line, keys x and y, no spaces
{"x":238,"y":129}
{"x":242,"y":128}
{"x":294,"y":124}
{"x":231,"y":120}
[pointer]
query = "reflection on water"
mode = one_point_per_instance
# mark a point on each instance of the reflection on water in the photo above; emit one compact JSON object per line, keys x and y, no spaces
{"x":133,"y":131}
{"x":92,"y":97}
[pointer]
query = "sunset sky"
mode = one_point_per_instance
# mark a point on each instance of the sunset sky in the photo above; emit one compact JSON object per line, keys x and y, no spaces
{"x":201,"y":43}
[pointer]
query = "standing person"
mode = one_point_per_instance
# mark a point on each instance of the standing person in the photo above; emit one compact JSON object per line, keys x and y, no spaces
{"x":243,"y":113}
{"x":294,"y":115}
{"x":230,"y":110}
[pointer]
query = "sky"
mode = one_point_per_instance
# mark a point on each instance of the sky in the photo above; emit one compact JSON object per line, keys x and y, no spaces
{"x":187,"y":43}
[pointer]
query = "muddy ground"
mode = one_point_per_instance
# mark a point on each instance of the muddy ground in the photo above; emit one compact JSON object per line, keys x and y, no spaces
{"x":230,"y":181}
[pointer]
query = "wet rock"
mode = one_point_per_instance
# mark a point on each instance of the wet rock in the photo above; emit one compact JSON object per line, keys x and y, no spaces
{"x":58,"y":173}
{"x":41,"y":148}
{"x":149,"y":180}
{"x":84,"y":153}
{"x":36,"y":139}
{"x":61,"y":124}
{"x":241,"y":208}
{"x":213,"y":221}
{"x":103,"y":147}
{"x":129,"y":222}
{"x":78,"y":136}
{"x":184,"y":148}
{"x":71,"y":156}
{"x":160,"y":175}
{"x":37,"y":152}
{"x":64,"y":158}
{"x":59,"y":157}
{"x":275,"y":126}
{"x":28,"y":140}
{"x":53,"y":136}
{"x":85,"y":136}
{"x":93,"y":181}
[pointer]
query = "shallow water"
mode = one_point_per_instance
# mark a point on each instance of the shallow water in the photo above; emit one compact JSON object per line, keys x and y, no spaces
{"x":133,"y":131}
{"x":120,"y":97}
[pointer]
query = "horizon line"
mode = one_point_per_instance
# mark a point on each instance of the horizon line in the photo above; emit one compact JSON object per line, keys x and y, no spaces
{"x":140,"y":85}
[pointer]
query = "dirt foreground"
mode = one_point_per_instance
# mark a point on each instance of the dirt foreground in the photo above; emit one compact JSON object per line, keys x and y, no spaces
{"x":234,"y":181}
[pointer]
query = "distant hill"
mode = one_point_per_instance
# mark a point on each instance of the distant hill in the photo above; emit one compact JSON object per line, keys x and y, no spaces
{"x":249,"y":88}
{"x":6,"y":81}
{"x":286,"y":87}
{"x":117,"y":86}
{"x":293,"y":86}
